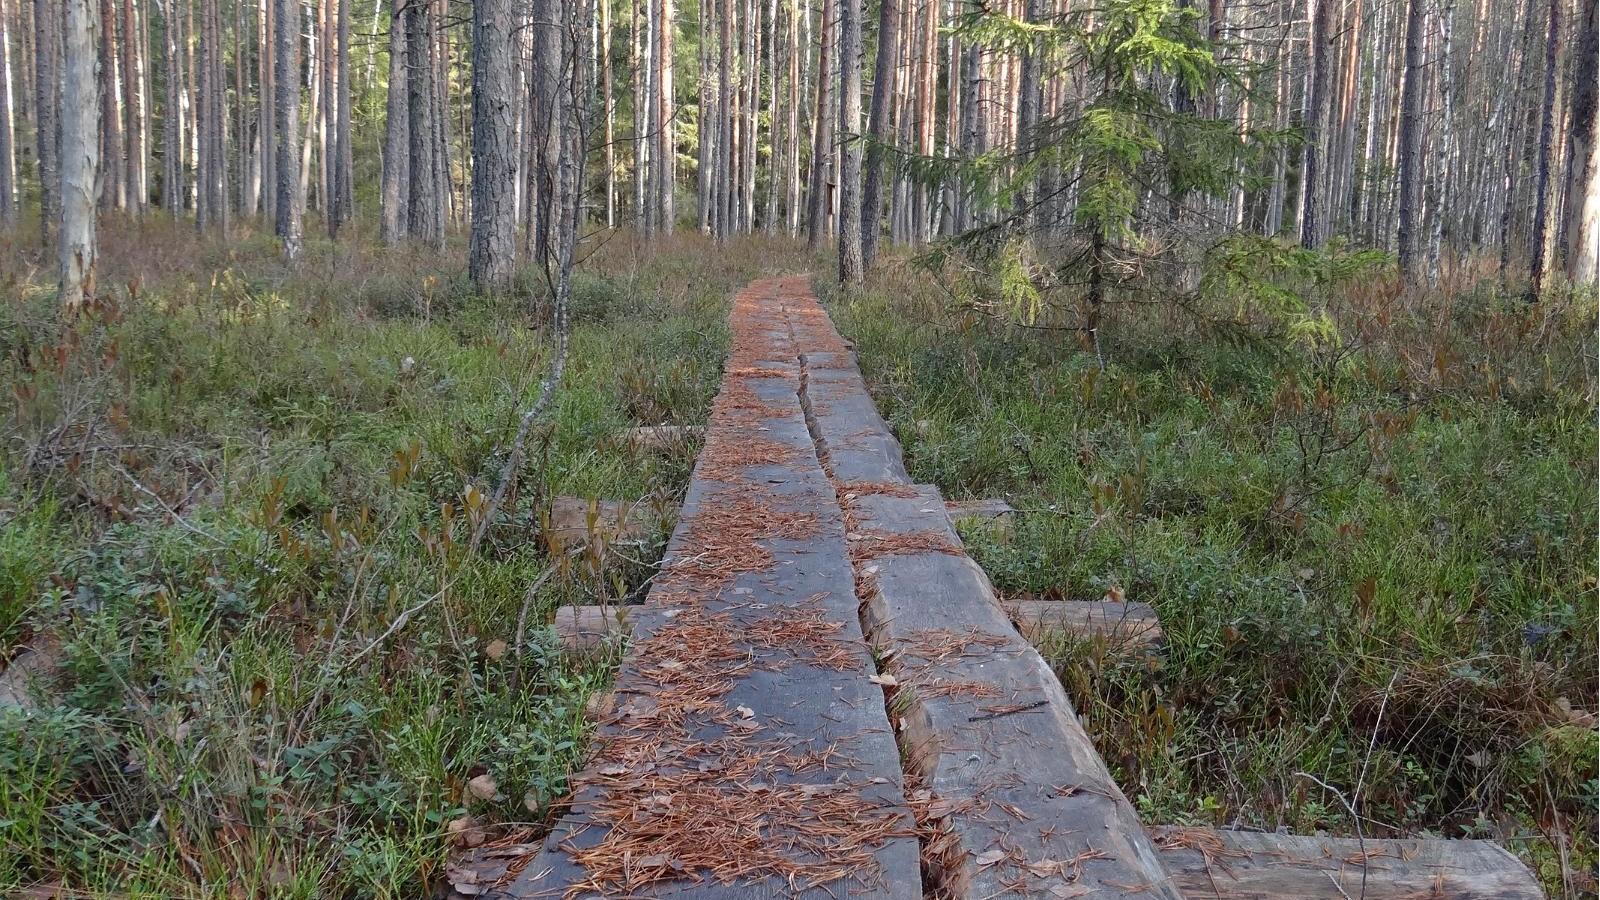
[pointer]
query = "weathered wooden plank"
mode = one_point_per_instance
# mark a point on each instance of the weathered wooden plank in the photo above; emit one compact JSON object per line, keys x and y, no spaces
{"x":1011,"y":795}
{"x":747,"y":753}
{"x":575,"y":520}
{"x":1209,"y":864}
{"x":661,"y":437}
{"x":1120,"y":622}
{"x":992,"y":509}
{"x":584,"y":629}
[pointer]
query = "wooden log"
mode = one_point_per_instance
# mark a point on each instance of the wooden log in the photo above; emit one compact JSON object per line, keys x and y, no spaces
{"x":1120,"y":622}
{"x":1242,"y":865}
{"x":661,"y":437}
{"x":992,"y":510}
{"x":1011,"y":794}
{"x":586,"y":629}
{"x":575,"y":520}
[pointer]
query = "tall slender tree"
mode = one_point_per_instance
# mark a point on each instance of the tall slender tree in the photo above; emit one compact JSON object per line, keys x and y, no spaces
{"x":80,"y":151}
{"x":1541,"y":190}
{"x":883,"y":72}
{"x":491,"y":250}
{"x":394,"y":190}
{"x":8,"y":154}
{"x":851,"y":268}
{"x":1411,"y":144}
{"x":286,"y":74}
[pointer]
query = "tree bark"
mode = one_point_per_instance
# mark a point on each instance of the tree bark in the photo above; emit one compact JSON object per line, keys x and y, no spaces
{"x":343,"y":153}
{"x":8,"y":154}
{"x":286,"y":75}
{"x":47,"y":53}
{"x":80,"y":153}
{"x":423,"y":207}
{"x":821,"y":134}
{"x":397,"y":134}
{"x":883,"y":72}
{"x":1410,"y":178}
{"x":1312,"y":226}
{"x":1541,"y":213}
{"x":851,"y":268}
{"x":1583,"y":167}
{"x":133,"y":126}
{"x":666,"y":147}
{"x":491,"y":253}
{"x":112,"y":190}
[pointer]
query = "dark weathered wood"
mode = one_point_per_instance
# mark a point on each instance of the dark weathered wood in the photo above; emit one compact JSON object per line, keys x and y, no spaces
{"x":1006,"y":775}
{"x":992,"y":509}
{"x":1241,"y":865}
{"x":661,"y":437}
{"x":584,"y":629}
{"x":1118,"y":622}
{"x":576,"y":520}
{"x":793,"y":700}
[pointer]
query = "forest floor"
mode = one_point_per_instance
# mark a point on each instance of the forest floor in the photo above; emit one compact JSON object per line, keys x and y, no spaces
{"x":236,"y":500}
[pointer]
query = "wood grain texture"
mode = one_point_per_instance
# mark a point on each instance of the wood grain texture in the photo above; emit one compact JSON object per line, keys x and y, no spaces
{"x":1240,"y":865}
{"x":1119,"y":622}
{"x":795,"y":701}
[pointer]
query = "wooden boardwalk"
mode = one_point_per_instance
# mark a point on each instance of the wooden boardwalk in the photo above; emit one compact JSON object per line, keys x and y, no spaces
{"x":824,"y":698}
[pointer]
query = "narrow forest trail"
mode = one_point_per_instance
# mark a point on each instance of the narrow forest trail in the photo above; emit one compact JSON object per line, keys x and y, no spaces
{"x":753,"y":751}
{"x":825,"y":698}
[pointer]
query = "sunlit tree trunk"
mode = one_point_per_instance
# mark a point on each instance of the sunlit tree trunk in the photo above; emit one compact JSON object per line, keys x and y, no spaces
{"x":851,"y":269}
{"x":8,"y":153}
{"x":883,"y":74}
{"x":80,"y":152}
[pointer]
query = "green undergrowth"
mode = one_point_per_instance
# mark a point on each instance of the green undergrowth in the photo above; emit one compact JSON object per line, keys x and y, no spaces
{"x":236,"y":512}
{"x":1374,"y":559}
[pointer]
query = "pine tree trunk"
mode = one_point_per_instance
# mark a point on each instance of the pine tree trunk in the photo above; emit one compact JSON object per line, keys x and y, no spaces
{"x":491,"y":252}
{"x":8,"y":154}
{"x":792,"y":128}
{"x":396,"y":135}
{"x":1312,"y":226}
{"x":423,"y":208}
{"x":343,"y":153}
{"x":1541,"y":213}
{"x":80,"y":152}
{"x":112,"y":190}
{"x":851,"y":268}
{"x":723,"y":220}
{"x":266,"y":116}
{"x":1411,"y":143}
{"x":821,"y":134}
{"x":883,"y":73}
{"x":172,"y":127}
{"x":1583,"y":167}
{"x":665,"y":156}
{"x":133,"y":125}
{"x":608,"y":112}
{"x":47,"y":44}
{"x":286,"y":75}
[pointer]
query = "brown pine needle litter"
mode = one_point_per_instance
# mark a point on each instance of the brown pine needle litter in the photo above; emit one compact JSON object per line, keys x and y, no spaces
{"x":848,"y":490}
{"x":727,"y":530}
{"x":871,"y":543}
